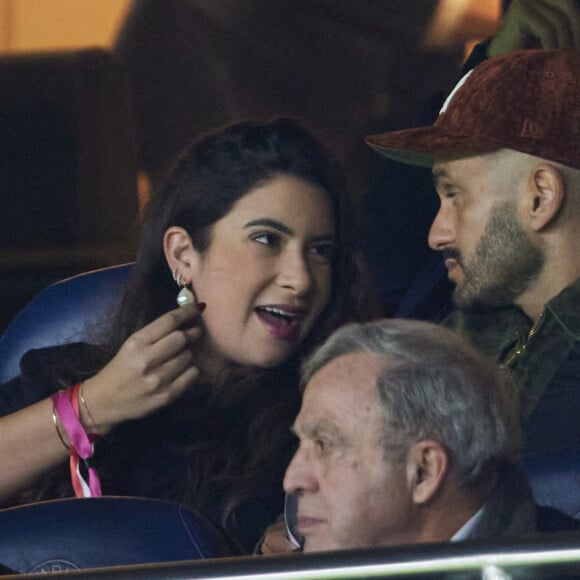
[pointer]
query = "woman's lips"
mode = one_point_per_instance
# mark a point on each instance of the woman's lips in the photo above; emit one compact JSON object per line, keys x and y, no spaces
{"x":281,"y":322}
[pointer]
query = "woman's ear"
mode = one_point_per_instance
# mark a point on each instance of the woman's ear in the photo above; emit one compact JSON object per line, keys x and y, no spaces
{"x":546,"y":195}
{"x":180,"y":253}
{"x":427,"y":466}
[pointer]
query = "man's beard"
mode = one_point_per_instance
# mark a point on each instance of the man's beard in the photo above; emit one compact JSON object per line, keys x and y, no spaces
{"x":503,"y":265}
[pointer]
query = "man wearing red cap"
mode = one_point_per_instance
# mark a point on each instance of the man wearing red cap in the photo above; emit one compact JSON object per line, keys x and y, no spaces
{"x":505,"y":152}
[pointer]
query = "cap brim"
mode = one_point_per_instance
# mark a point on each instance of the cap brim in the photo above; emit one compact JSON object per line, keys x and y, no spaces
{"x":409,"y":157}
{"x":419,"y":146}
{"x":410,"y":146}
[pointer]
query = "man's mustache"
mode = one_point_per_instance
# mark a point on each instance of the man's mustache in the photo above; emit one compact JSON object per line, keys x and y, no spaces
{"x":452,"y":254}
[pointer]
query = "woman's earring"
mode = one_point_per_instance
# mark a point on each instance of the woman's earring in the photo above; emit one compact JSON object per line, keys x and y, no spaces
{"x":185,"y":296}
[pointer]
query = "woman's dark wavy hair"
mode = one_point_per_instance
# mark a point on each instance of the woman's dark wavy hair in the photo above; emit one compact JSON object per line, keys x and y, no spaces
{"x":212,"y":174}
{"x":248,"y":414}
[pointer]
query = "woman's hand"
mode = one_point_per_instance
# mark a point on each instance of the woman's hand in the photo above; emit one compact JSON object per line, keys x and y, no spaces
{"x":153,"y":367}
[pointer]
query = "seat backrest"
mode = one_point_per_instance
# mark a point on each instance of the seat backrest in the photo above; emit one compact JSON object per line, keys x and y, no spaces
{"x":66,"y":311}
{"x":71,"y":534}
{"x":555,"y":479}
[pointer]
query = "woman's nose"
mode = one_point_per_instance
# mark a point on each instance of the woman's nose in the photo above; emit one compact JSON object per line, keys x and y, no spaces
{"x":295,"y":273}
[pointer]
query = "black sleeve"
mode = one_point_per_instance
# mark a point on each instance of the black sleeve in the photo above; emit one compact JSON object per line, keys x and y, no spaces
{"x":45,"y":371}
{"x":22,"y":391}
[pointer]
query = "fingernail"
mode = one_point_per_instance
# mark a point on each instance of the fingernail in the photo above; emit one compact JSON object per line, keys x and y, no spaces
{"x":201,"y":306}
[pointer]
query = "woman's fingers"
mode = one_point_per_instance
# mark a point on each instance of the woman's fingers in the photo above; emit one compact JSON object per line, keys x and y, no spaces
{"x":170,"y":345}
{"x":168,"y":372}
{"x":152,"y":368}
{"x":183,"y":381}
{"x":166,"y":323}
{"x":161,"y":340}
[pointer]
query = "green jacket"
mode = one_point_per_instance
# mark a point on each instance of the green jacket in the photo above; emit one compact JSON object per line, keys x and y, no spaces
{"x":545,"y":356}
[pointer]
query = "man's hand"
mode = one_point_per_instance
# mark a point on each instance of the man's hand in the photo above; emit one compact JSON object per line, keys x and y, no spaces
{"x":538,"y":24}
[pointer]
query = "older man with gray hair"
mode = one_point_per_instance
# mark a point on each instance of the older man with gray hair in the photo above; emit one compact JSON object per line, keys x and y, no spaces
{"x":407,"y":435}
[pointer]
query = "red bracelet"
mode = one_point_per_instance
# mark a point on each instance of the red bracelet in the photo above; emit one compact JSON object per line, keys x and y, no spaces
{"x":66,"y":405}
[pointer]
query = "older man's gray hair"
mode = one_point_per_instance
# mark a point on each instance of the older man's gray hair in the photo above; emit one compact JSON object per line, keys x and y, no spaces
{"x":435,"y":386}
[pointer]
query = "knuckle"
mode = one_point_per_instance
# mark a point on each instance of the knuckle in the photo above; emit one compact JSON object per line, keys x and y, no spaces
{"x":134,"y":344}
{"x":141,"y":365}
{"x":153,"y":383}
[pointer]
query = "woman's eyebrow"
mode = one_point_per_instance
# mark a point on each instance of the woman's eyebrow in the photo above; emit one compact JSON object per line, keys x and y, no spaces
{"x":270,"y":223}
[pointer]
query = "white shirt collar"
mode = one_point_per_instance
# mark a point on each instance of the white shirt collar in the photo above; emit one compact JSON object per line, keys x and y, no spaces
{"x":467,"y":529}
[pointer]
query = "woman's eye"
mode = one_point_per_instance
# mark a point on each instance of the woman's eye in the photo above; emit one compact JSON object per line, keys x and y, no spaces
{"x":323,"y":251}
{"x":266,"y":238}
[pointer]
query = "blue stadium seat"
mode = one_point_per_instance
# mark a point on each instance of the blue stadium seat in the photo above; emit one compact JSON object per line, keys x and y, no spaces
{"x":67,"y":311}
{"x":72,"y":534}
{"x":555,"y":479}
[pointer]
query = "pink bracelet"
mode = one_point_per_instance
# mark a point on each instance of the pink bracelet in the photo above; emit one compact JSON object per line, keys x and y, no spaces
{"x":81,"y":444}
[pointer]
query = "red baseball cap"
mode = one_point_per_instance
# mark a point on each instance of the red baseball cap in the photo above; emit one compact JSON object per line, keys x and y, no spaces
{"x":526,"y":100}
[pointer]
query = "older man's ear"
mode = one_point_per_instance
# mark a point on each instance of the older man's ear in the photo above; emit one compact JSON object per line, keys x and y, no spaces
{"x":427,"y":466}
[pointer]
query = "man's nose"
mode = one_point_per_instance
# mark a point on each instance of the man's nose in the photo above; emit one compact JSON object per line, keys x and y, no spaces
{"x":300,"y":473}
{"x":441,"y":233}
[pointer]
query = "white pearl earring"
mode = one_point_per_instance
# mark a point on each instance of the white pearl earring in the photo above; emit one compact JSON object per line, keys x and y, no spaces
{"x":185,"y":296}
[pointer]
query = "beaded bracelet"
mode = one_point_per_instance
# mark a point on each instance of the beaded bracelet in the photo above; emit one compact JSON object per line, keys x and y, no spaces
{"x":66,"y":406}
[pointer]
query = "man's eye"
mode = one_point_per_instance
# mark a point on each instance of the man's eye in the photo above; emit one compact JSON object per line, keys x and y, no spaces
{"x":266,"y":238}
{"x":322,"y":445}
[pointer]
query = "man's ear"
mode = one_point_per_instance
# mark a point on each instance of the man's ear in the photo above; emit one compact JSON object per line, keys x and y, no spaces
{"x":180,"y":253}
{"x":427,"y":466}
{"x":546,"y":195}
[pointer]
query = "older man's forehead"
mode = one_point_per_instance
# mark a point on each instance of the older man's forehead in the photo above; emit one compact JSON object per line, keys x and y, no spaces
{"x":344,"y":391}
{"x":355,"y":363}
{"x":353,"y":372}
